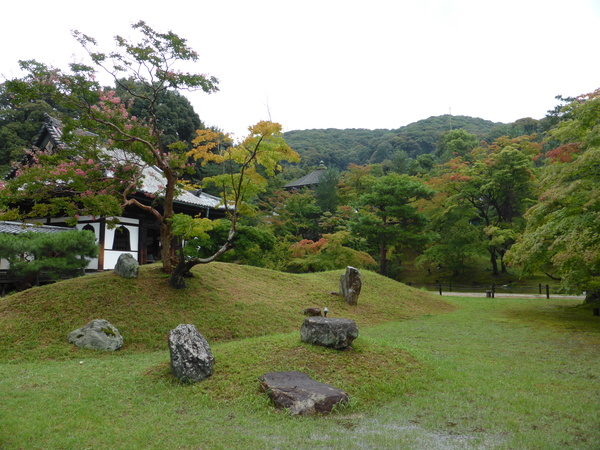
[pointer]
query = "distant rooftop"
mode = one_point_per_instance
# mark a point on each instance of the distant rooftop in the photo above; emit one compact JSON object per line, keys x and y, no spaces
{"x":312,"y":179}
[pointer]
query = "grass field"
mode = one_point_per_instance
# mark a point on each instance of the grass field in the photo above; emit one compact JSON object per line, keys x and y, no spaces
{"x":425,"y":372}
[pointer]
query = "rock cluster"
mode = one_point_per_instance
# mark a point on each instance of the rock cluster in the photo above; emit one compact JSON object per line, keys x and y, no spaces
{"x":99,"y":334}
{"x":191,"y":358}
{"x":300,"y":394}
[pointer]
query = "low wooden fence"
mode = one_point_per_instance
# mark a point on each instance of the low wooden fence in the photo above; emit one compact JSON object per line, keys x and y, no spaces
{"x":490,"y":290}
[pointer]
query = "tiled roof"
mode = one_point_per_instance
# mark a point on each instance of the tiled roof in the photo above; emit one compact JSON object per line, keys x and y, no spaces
{"x":54,"y":129}
{"x":19,"y":227}
{"x":312,"y":179}
{"x":153,"y":177}
{"x":154,"y":180}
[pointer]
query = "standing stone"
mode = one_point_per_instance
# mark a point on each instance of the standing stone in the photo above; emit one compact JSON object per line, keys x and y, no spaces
{"x":327,"y":332}
{"x":127,"y":266}
{"x":191,"y":358}
{"x":350,"y":285}
{"x":99,"y":334}
{"x":300,"y":394}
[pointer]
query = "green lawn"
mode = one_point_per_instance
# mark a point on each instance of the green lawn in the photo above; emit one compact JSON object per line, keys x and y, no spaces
{"x":486,"y":373}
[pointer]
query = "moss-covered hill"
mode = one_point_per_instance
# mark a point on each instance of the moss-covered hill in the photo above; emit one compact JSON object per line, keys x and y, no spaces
{"x":224,"y":301}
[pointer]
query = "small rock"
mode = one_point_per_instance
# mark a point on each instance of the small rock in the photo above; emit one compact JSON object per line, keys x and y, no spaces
{"x":300,"y":394}
{"x":191,"y":358}
{"x":127,"y":266}
{"x":312,"y":312}
{"x":99,"y":334}
{"x":327,"y":332}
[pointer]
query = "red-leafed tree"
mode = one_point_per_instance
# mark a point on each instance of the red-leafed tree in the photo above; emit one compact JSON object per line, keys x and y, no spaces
{"x":99,"y":168}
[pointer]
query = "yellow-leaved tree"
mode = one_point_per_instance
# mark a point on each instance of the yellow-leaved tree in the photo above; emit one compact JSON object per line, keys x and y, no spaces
{"x":243,"y":177}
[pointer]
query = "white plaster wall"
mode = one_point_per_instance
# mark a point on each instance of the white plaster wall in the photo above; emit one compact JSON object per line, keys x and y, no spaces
{"x":112,"y":256}
{"x":93,"y":265}
{"x":134,"y":232}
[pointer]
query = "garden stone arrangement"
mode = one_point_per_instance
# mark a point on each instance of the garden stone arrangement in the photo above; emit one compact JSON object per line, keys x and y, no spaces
{"x":329,"y":332}
{"x":99,"y":334}
{"x":300,"y":394}
{"x":191,"y":358}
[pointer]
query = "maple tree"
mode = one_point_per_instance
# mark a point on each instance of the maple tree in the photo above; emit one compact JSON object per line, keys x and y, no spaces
{"x":563,"y":227}
{"x":114,"y":140}
{"x":242,"y":178}
{"x":107,"y":148}
{"x":493,"y":185}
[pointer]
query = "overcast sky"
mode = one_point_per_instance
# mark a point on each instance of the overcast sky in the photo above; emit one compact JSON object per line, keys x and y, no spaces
{"x":342,"y":64}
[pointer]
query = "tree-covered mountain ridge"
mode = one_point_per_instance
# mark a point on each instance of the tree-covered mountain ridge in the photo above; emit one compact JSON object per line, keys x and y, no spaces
{"x":338,"y":148}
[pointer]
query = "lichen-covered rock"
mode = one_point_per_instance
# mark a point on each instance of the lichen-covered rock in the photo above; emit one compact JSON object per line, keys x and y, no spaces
{"x":191,"y":358}
{"x":329,"y":332}
{"x":127,"y":266}
{"x":99,"y":334}
{"x":350,"y":285}
{"x":300,"y":394}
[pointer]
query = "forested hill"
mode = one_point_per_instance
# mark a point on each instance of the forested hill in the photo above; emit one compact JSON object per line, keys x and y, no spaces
{"x":338,"y":148}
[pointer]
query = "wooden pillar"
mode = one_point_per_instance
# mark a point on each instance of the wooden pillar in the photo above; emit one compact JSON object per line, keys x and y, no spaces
{"x":101,"y":237}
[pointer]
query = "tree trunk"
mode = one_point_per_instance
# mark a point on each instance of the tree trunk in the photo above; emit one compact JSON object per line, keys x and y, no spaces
{"x":166,"y":229}
{"x":503,"y":264}
{"x":183,"y":269}
{"x":494,"y":261}
{"x":383,"y":259}
{"x":179,"y":274}
{"x":592,"y":296}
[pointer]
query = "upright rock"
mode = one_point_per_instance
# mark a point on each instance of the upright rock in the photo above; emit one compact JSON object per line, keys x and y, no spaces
{"x":191,"y":358}
{"x":99,"y":334}
{"x":300,"y":394}
{"x":127,"y":266}
{"x":327,"y":332}
{"x":350,"y":285}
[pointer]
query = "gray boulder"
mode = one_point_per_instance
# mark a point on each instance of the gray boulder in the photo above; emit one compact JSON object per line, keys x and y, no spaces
{"x":300,"y":394}
{"x":327,"y":332}
{"x":99,"y":334}
{"x":191,"y":358}
{"x":350,"y":285}
{"x":127,"y":266}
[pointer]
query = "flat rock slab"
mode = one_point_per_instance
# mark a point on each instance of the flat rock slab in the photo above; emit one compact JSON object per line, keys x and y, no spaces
{"x":329,"y":332}
{"x":300,"y":394}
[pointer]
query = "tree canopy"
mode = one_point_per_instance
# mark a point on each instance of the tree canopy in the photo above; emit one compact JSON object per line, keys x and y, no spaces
{"x":389,"y":217}
{"x":30,"y":253}
{"x":563,"y":228}
{"x":107,"y":146}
